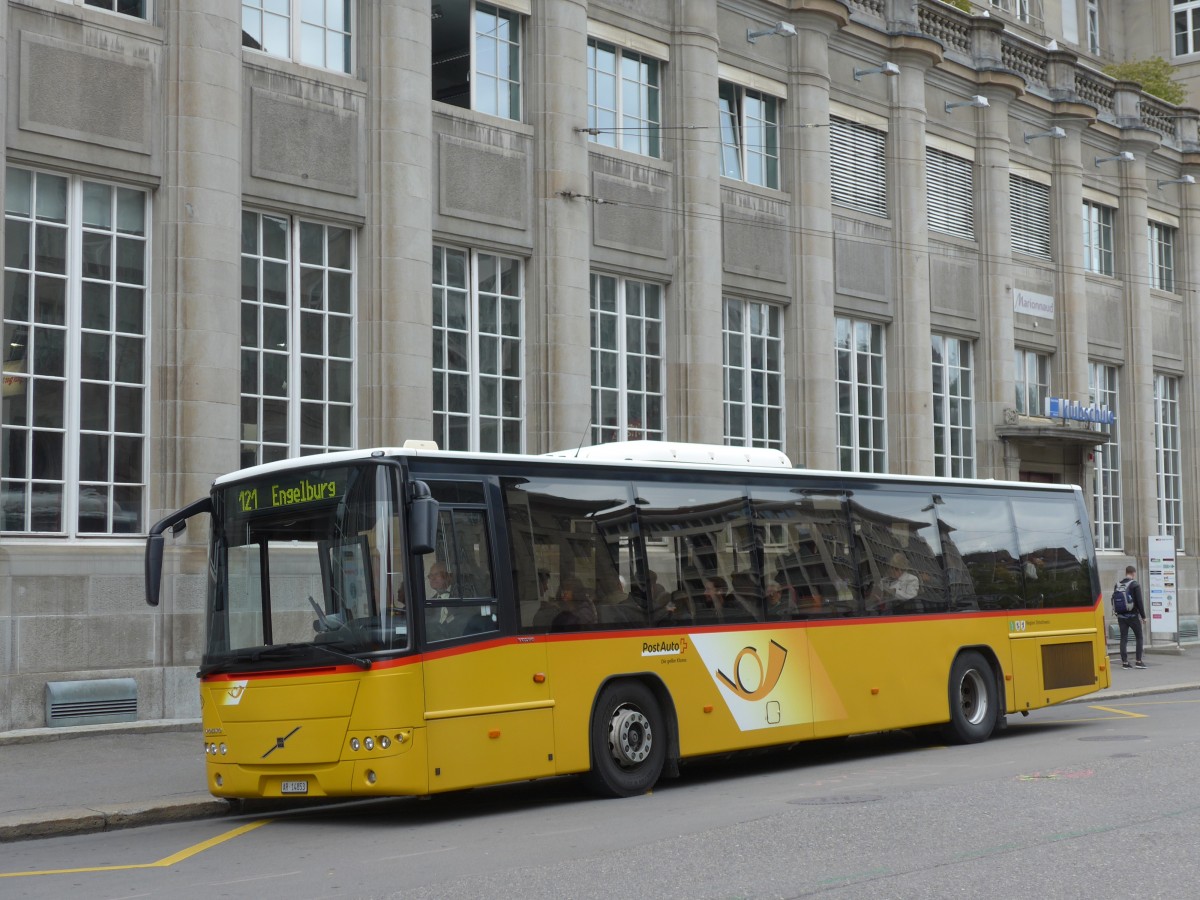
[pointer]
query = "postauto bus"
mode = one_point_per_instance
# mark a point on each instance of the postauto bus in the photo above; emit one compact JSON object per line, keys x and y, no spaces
{"x":408,"y":621}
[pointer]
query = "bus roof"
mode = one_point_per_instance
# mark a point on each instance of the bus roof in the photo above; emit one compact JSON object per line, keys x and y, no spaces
{"x":632,"y":454}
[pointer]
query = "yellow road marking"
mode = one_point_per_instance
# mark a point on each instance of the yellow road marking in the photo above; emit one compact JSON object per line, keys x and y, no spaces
{"x":160,"y":864}
{"x":1120,"y":712}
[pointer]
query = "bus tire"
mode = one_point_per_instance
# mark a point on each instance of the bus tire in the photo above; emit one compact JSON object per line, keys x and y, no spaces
{"x":628,"y":741}
{"x":973,"y":699}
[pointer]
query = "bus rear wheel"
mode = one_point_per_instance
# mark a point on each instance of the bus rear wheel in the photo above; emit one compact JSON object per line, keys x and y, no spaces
{"x":973,"y":699}
{"x":628,"y":741}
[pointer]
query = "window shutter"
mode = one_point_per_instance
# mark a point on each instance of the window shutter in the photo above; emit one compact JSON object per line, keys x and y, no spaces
{"x":951,"y":193}
{"x":1030,"y":216}
{"x":858,"y":167}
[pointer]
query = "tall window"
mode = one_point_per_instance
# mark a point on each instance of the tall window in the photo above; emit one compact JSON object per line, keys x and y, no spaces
{"x":950,"y":185}
{"x":749,"y":135}
{"x":858,"y":166}
{"x":862,"y":408}
{"x":477,"y":351}
{"x":1030,"y":204}
{"x":1168,"y":457}
{"x":627,"y":360}
{"x":477,"y":57}
{"x":73,"y":447}
{"x":1161,"y":240}
{"x":297,"y":337}
{"x":1032,"y":372}
{"x":1093,"y":26}
{"x":953,"y":408}
{"x":1187,"y":26}
{"x":753,"y":366}
{"x":1106,"y":492}
{"x":312,"y":33}
{"x":1097,"y":238}
{"x":623,"y":99}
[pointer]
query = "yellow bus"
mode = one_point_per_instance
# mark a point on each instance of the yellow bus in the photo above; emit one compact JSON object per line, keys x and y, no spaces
{"x":408,"y":621}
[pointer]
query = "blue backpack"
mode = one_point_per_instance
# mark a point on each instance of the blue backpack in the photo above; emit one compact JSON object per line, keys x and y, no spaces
{"x":1122,"y":600}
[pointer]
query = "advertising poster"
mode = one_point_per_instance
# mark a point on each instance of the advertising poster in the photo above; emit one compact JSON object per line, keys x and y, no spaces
{"x":1160,"y":587}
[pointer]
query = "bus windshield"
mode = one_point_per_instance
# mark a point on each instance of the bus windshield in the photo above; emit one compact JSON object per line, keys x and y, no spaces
{"x":306,"y":568}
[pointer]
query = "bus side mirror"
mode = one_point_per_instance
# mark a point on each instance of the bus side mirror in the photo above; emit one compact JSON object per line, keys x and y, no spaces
{"x":177,"y":522}
{"x":422,"y":520}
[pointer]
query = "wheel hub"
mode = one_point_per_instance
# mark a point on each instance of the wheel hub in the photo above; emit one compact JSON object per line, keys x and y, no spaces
{"x":629,"y":737}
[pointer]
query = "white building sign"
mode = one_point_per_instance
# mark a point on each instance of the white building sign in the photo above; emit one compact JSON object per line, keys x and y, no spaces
{"x":1031,"y":304}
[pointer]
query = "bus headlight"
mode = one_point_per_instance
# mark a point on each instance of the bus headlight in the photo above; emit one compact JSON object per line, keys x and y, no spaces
{"x":354,"y":745}
{"x":369,"y":743}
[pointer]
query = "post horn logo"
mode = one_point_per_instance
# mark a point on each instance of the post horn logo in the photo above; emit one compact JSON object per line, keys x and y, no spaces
{"x":768,"y":676}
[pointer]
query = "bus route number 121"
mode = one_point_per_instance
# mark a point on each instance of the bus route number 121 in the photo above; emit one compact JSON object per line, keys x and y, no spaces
{"x":248,"y":500}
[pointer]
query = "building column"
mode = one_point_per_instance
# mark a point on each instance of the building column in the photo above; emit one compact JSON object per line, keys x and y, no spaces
{"x":1136,"y":418}
{"x":695,"y":319}
{"x":1069,"y":369}
{"x":809,"y":342}
{"x":196,"y":379}
{"x":994,"y":388}
{"x":909,"y":360}
{"x":395,"y":314}
{"x":557,"y":294}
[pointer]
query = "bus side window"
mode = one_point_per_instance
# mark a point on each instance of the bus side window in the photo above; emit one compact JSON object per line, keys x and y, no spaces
{"x":460,"y":586}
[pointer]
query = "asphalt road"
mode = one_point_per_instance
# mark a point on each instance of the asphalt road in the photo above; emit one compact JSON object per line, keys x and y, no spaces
{"x":1093,"y":800}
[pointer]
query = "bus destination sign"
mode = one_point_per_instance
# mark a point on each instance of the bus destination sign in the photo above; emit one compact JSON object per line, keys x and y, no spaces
{"x":277,"y":495}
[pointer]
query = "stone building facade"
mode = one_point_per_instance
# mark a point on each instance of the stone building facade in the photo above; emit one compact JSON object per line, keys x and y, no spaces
{"x":849,"y":229}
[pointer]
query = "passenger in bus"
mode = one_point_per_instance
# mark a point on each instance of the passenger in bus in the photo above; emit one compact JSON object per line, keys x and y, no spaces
{"x":781,"y":599}
{"x":716,"y":604}
{"x":399,"y":602}
{"x":613,"y":604}
{"x":899,"y":585}
{"x":576,"y":609}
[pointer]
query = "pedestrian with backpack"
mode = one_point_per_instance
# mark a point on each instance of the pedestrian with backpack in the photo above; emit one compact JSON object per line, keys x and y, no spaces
{"x":1131,"y":615}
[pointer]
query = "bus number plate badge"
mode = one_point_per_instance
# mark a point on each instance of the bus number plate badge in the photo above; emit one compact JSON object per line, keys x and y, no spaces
{"x":294,"y":787}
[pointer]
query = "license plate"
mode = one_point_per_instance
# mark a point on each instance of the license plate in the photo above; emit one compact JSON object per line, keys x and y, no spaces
{"x":294,"y":787}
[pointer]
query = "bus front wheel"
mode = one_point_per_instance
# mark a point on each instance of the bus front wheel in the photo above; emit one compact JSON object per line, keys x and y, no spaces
{"x":628,"y":740}
{"x":973,"y":700}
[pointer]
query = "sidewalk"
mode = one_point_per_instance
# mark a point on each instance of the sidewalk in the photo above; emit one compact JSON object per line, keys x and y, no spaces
{"x":58,"y":781}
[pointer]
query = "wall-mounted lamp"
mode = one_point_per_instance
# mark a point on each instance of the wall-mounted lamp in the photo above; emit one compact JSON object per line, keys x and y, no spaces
{"x":783,"y":28}
{"x":888,"y":69}
{"x":1183,"y":179}
{"x":977,"y":101}
{"x":1123,"y":156}
{"x":1057,"y":133}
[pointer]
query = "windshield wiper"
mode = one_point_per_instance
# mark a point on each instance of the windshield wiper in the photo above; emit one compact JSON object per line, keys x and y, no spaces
{"x":279,"y":651}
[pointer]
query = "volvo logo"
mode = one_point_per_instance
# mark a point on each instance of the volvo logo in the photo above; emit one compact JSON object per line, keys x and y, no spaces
{"x":280,"y":741}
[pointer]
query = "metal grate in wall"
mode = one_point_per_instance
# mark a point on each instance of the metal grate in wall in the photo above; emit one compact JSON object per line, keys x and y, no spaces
{"x":94,"y":702}
{"x":1067,"y":665}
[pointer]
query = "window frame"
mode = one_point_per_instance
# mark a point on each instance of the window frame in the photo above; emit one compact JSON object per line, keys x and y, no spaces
{"x":634,"y":133}
{"x":1161,"y":240}
{"x":854,"y":423}
{"x":647,"y":369}
{"x":94,"y":254}
{"x":1181,"y":12}
{"x":470,"y":378}
{"x":1108,"y":521}
{"x":298,"y":354}
{"x":858,"y":167}
{"x":756,"y":418}
{"x":953,"y":442}
{"x":297,"y":28}
{"x":738,"y":126}
{"x":1099,"y":238}
{"x":1031,"y":371}
{"x":1168,"y":456}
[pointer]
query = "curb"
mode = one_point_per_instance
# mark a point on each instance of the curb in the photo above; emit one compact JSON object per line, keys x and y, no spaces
{"x":89,"y":820}
{"x":149,"y":726}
